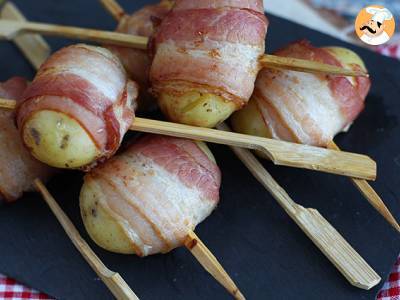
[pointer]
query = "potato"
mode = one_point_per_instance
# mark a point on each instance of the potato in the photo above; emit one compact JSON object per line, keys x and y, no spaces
{"x":58,"y":140}
{"x":101,"y":224}
{"x":196,"y":108}
{"x":250,"y":121}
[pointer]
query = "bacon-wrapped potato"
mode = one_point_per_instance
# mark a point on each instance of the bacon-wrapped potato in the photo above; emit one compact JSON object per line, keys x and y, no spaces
{"x":206,"y":59}
{"x":305,"y":108}
{"x":137,"y":62}
{"x":145,"y":200}
{"x":18,"y":168}
{"x":78,"y":107}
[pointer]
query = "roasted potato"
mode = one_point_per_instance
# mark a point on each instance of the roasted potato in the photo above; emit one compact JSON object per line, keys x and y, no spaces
{"x":66,"y":145}
{"x":101,"y":223}
{"x":196,"y":108}
{"x":249,"y":120}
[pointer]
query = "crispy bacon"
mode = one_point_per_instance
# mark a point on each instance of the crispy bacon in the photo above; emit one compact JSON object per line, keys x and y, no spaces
{"x":308,"y":108}
{"x":159,"y":189}
{"x":212,"y":44}
{"x":90,"y":85}
{"x":17,"y":168}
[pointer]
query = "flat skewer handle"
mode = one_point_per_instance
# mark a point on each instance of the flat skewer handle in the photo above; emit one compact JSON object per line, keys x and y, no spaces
{"x":34,"y":47}
{"x":281,"y":153}
{"x":352,"y":266}
{"x":114,"y":281}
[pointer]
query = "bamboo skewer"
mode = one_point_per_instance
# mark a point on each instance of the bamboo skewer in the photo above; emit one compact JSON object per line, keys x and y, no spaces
{"x":11,"y":29}
{"x":211,"y":264}
{"x":112,"y":280}
{"x":369,"y":193}
{"x":301,"y":65}
{"x":113,"y":7}
{"x":36,"y":50}
{"x":353,"y":267}
{"x":312,"y":223}
{"x":281,"y":153}
{"x":34,"y":47}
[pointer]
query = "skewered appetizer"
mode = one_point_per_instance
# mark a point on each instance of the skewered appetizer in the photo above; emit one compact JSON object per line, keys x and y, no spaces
{"x":206,"y":59}
{"x":137,"y":62}
{"x":305,"y":108}
{"x":78,"y":107}
{"x":18,"y":167}
{"x":145,"y":200}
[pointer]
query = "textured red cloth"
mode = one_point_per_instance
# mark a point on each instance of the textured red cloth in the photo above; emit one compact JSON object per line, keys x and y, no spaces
{"x":391,"y":289}
{"x":11,"y":290}
{"x":392,"y":50}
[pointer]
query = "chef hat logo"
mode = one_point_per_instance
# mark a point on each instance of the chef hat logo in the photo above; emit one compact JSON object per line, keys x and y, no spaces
{"x":375,"y":25}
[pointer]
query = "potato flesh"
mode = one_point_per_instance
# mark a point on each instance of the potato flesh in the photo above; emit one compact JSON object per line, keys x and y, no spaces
{"x":250,"y":121}
{"x":58,"y":140}
{"x":196,"y":108}
{"x":101,"y":224}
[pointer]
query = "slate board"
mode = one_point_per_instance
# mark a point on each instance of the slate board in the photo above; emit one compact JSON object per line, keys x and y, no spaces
{"x":264,"y":251}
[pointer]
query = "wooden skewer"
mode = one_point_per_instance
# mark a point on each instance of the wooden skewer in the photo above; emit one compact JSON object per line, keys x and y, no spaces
{"x":33,"y":46}
{"x":280,"y":152}
{"x":316,"y":227}
{"x":113,"y":7}
{"x":369,"y":193}
{"x":353,"y":267}
{"x":112,"y":280}
{"x":301,"y":65}
{"x":10,"y":29}
{"x":211,"y":264}
{"x":36,"y":50}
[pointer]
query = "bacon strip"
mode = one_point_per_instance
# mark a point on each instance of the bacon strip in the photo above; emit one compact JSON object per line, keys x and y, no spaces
{"x":90,"y":85}
{"x":308,"y":108}
{"x":142,"y":22}
{"x":17,"y":168}
{"x":214,"y":44}
{"x":158,"y":189}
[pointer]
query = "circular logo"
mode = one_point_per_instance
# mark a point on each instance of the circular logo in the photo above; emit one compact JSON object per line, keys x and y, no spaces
{"x":375,"y":25}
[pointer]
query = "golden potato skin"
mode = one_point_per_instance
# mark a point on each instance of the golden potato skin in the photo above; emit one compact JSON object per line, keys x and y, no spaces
{"x":196,"y":108}
{"x":250,"y":121}
{"x":68,"y":145}
{"x":101,"y":225}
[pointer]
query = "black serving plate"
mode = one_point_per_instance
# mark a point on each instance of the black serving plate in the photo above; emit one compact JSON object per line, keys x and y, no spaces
{"x":267,"y":255}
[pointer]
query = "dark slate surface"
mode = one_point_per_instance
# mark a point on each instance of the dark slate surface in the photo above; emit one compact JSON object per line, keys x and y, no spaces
{"x":264,"y":251}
